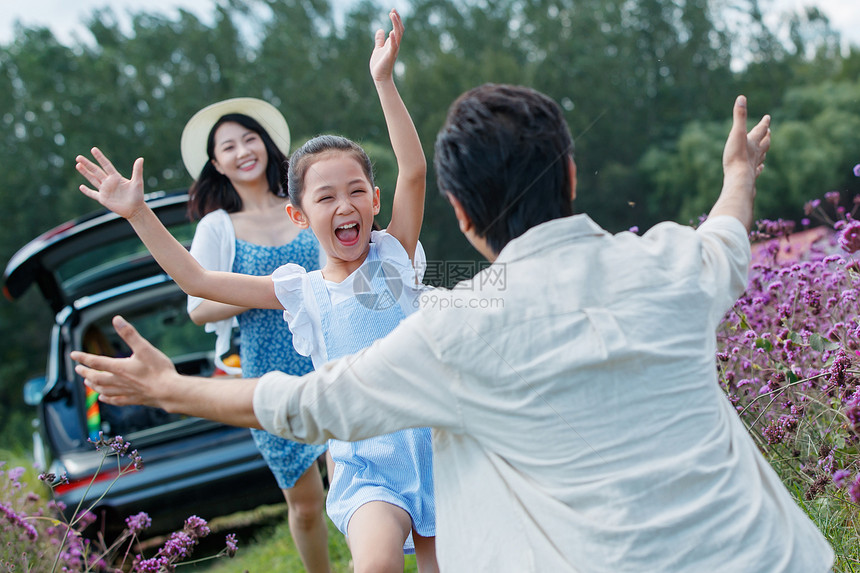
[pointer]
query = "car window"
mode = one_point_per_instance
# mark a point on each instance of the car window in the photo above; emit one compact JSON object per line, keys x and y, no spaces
{"x":112,"y":258}
{"x":159,"y":314}
{"x":165,"y":323}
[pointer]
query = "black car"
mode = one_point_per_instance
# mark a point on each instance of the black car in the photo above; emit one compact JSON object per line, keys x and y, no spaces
{"x":89,"y":270}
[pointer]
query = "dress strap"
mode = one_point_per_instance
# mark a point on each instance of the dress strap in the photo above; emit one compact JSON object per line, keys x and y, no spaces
{"x":322,"y":297}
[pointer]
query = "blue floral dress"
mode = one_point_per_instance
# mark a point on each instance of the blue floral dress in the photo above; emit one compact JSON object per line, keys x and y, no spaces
{"x":266,"y":345}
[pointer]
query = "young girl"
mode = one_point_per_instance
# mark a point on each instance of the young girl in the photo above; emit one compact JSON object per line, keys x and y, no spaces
{"x":381,"y":493}
{"x":240,"y":192}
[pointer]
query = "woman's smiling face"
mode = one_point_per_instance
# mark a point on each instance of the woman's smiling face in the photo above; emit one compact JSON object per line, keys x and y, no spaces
{"x":239,"y":153}
{"x":339,"y":203}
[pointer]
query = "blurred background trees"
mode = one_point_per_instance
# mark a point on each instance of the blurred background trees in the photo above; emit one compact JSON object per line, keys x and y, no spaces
{"x":647,"y":87}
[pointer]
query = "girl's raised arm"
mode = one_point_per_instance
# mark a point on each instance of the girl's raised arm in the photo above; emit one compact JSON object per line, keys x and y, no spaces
{"x":407,"y":212}
{"x":125,"y":198}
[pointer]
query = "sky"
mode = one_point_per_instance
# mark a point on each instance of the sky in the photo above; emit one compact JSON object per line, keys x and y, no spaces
{"x":65,"y":17}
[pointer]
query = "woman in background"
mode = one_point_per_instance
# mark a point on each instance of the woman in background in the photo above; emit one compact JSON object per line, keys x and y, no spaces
{"x":237,"y":152}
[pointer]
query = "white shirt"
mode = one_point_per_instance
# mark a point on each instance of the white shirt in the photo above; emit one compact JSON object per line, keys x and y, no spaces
{"x":214,"y":247}
{"x":578,"y":423}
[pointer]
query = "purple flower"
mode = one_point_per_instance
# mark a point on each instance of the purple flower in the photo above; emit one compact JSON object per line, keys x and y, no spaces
{"x":811,"y":206}
{"x":774,"y":433}
{"x":196,"y":527}
{"x":839,"y":477}
{"x":137,"y":523}
{"x":136,"y":460}
{"x":849,"y":238}
{"x":154,"y":565}
{"x":98,"y":443}
{"x":832,"y":197}
{"x":18,"y":521}
{"x":857,"y":170}
{"x":15,"y":473}
{"x":86,"y":518}
{"x":232,"y":545}
{"x":854,"y":492}
{"x":118,"y":445}
{"x":178,"y":546}
{"x":813,"y":300}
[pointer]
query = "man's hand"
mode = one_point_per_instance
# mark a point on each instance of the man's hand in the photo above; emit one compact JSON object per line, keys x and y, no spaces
{"x":143,"y":378}
{"x":148,"y":377}
{"x":744,"y":153}
{"x":743,"y":161}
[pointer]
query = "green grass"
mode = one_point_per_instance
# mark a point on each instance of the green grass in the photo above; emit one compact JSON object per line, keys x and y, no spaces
{"x":271,"y":547}
{"x":835,"y":518}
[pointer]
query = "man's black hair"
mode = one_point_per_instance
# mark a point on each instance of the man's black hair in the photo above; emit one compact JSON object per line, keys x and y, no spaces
{"x":503,"y":154}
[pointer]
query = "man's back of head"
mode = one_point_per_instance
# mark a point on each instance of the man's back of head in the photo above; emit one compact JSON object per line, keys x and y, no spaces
{"x":504,"y":154}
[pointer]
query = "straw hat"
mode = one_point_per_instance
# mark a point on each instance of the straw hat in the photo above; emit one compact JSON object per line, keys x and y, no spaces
{"x":196,"y":132}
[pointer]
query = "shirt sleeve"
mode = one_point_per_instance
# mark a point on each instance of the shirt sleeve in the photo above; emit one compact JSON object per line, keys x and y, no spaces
{"x":396,"y":383}
{"x":726,"y":258}
{"x":290,"y":282}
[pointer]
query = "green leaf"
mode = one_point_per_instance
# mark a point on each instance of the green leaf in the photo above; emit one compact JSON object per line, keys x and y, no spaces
{"x":816,"y":342}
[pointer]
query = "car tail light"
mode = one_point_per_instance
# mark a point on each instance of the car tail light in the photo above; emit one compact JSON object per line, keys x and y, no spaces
{"x":85,"y":481}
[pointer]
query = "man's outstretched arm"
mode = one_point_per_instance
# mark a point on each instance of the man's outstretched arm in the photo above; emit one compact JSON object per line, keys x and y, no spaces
{"x":148,"y":377}
{"x":743,"y":161}
{"x":396,"y":383}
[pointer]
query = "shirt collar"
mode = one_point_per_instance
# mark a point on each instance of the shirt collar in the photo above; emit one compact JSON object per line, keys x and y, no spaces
{"x":548,"y":236}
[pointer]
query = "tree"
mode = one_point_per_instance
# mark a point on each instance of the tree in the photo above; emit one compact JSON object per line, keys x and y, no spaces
{"x":816,"y":141}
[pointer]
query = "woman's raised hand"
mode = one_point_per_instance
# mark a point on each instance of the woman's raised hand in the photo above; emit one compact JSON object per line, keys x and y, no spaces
{"x":385,"y":49}
{"x":122,"y":196}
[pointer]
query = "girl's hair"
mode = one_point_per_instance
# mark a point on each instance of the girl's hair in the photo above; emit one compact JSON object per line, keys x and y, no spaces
{"x":212,"y":190}
{"x":305,"y":156}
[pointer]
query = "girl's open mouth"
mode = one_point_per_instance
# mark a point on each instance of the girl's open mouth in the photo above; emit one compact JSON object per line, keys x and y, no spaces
{"x":347,"y":234}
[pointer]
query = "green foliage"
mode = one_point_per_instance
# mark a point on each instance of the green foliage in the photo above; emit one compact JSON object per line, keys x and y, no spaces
{"x":686,"y":180}
{"x":273,"y":549}
{"x":816,"y":134}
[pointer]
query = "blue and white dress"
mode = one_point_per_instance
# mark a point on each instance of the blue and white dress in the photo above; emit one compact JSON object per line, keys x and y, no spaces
{"x":330,"y":320}
{"x":266,"y":342}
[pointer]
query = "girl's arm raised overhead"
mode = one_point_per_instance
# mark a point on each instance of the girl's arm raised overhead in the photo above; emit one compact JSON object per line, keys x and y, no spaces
{"x":407,"y":212}
{"x":125,"y":198}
